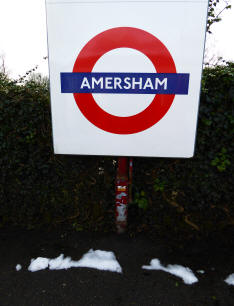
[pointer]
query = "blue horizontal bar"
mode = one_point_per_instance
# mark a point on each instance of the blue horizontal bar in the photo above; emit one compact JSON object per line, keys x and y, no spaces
{"x":125,"y":83}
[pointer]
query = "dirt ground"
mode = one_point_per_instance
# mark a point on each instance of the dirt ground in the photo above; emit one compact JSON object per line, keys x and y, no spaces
{"x":134,"y":286}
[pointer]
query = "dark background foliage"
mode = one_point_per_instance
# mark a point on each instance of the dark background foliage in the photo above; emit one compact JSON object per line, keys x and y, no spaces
{"x":38,"y":188}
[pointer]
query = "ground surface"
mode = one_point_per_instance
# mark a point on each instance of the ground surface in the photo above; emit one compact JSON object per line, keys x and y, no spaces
{"x":135,"y":286}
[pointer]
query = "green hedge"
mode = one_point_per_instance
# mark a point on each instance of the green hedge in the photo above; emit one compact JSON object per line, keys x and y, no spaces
{"x":39,"y":188}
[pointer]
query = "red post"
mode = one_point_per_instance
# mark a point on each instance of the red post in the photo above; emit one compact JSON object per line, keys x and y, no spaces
{"x":121,"y":200}
{"x":130,"y":181}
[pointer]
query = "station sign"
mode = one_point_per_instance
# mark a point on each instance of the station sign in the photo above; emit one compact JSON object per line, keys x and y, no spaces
{"x":125,"y":76}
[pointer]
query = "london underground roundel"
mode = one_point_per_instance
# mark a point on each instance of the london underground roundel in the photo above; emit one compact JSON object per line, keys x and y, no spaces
{"x":164,"y":84}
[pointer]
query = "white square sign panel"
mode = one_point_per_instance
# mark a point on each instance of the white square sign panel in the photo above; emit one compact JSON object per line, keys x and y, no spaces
{"x":125,"y":76}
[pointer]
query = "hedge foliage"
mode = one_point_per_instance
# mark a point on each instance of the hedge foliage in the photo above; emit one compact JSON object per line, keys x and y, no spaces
{"x":38,"y":188}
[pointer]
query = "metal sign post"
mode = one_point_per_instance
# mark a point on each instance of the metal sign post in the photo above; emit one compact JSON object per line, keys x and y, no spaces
{"x":122,"y":194}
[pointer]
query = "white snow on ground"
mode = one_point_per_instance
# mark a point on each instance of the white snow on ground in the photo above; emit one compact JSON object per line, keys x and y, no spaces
{"x":60,"y":263}
{"x":101,"y":260}
{"x":185,"y":273}
{"x":39,"y":263}
{"x":18,"y":267}
{"x":230,"y":279}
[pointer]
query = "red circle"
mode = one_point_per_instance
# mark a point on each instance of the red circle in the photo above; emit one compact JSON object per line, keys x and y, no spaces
{"x":124,"y":37}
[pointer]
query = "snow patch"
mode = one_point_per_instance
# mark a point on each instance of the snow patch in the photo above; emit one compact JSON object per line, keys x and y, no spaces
{"x":18,"y":267}
{"x":39,"y":263}
{"x":101,"y":260}
{"x":60,"y":263}
{"x":183,"y":272}
{"x":230,"y":279}
{"x":201,"y":271}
